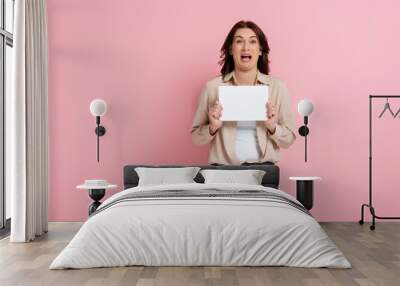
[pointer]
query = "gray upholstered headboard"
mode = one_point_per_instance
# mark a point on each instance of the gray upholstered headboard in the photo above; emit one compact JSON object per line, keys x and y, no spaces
{"x":271,"y":177}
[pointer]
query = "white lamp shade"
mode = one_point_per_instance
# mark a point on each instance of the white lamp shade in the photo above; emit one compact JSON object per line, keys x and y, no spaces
{"x":305,"y":107}
{"x":98,"y":107}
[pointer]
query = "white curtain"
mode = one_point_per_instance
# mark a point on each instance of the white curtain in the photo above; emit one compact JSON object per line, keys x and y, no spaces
{"x":27,"y":150}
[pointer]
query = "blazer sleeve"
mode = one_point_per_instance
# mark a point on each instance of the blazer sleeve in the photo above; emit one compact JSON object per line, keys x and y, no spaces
{"x":200,"y":127}
{"x":284,"y":135}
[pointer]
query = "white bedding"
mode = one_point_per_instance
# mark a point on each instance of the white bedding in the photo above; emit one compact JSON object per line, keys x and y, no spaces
{"x":200,"y":231}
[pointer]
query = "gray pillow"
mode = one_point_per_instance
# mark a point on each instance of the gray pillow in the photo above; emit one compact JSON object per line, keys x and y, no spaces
{"x":162,"y":176}
{"x":249,"y":177}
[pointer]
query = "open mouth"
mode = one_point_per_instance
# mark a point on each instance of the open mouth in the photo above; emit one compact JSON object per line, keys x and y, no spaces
{"x":245,"y":58}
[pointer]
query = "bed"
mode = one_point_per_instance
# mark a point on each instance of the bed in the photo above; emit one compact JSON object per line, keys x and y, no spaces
{"x":201,"y":224}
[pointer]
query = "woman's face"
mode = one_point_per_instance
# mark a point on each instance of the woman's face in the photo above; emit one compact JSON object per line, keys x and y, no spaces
{"x":245,"y":49}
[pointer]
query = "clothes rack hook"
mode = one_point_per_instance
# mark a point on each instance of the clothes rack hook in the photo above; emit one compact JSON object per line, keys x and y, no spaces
{"x":387,"y":107}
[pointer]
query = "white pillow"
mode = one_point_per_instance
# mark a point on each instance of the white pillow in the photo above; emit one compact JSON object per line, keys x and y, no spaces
{"x":162,"y":176}
{"x":249,"y":177}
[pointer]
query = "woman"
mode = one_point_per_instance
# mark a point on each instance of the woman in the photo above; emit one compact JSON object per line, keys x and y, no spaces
{"x":244,"y":60}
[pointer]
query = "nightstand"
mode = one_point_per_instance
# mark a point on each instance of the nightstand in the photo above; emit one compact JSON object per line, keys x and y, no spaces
{"x":305,"y":190}
{"x":96,"y":193}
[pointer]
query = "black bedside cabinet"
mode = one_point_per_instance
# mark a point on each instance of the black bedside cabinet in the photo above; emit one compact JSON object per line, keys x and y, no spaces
{"x":96,"y":193}
{"x":305,"y":190}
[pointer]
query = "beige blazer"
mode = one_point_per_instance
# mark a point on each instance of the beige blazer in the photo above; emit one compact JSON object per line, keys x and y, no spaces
{"x":223,"y":142}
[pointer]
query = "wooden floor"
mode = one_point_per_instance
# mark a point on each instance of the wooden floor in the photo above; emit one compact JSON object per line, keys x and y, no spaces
{"x":374,"y":255}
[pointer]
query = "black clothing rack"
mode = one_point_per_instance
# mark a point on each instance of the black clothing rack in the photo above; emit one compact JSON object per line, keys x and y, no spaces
{"x":370,"y":205}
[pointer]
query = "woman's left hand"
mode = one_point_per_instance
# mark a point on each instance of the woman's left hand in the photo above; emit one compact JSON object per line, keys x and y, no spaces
{"x":272,"y":117}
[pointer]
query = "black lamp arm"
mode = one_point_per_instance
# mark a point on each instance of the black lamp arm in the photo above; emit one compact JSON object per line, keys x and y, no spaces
{"x":303,"y":131}
{"x":100,"y":131}
{"x":98,"y":143}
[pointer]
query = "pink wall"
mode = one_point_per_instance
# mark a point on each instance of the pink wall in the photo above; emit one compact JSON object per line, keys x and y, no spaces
{"x":149,"y":60}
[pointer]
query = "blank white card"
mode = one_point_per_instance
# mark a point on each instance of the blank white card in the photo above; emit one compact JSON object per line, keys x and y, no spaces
{"x":243,"y":103}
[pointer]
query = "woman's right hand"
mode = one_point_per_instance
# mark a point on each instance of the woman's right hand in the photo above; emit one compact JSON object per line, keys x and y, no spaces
{"x":214,"y":115}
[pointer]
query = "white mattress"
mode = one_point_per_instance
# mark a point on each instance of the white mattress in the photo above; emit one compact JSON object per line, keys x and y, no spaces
{"x":200,"y":231}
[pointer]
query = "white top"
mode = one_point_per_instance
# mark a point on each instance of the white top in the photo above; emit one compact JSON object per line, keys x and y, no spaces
{"x":304,"y":178}
{"x":246,"y":145}
{"x":94,"y":187}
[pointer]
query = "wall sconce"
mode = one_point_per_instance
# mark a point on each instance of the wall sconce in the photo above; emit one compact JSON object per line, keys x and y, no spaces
{"x":305,"y":108}
{"x":98,"y":108}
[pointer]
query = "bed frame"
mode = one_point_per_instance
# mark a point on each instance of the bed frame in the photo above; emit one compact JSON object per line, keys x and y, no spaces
{"x":270,"y":179}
